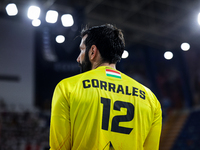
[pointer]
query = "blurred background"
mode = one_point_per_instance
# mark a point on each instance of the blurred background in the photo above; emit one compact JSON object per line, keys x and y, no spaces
{"x":39,"y":44}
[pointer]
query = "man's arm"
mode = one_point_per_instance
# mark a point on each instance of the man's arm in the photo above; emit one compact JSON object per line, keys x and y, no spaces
{"x":60,"y":133}
{"x":153,"y":139}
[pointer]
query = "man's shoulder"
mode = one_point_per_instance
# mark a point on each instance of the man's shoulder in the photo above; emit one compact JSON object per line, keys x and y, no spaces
{"x":133,"y":81}
{"x":137,"y":84}
{"x":75,"y":78}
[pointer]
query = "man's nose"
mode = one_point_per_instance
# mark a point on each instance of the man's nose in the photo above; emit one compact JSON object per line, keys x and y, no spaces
{"x":78,"y":59}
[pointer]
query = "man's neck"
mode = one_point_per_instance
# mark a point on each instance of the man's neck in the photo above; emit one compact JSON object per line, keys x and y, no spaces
{"x":104,"y":64}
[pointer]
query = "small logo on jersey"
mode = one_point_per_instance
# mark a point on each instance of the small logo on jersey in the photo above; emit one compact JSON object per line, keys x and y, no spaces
{"x":113,"y":73}
{"x":109,"y":146}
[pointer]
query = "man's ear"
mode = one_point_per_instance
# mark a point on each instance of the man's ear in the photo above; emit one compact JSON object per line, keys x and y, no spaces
{"x":93,"y":52}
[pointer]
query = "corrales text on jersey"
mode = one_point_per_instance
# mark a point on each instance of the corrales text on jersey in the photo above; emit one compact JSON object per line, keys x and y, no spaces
{"x":116,"y":88}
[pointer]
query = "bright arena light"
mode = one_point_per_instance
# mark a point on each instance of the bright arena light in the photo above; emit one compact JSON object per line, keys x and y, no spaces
{"x":36,"y":22}
{"x":168,"y":55}
{"x":60,"y":39}
{"x":51,"y":16}
{"x":125,"y":54}
{"x":33,"y":12}
{"x":185,"y":46}
{"x":11,"y":9}
{"x":198,"y":19}
{"x":67,"y":20}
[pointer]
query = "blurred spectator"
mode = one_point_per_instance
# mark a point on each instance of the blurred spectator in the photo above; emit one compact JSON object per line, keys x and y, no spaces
{"x":170,"y":87}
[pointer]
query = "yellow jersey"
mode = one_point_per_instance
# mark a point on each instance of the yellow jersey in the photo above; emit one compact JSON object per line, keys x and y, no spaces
{"x":104,"y":109}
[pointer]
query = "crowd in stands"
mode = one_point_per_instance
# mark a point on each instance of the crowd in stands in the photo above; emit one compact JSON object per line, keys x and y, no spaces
{"x":22,"y":129}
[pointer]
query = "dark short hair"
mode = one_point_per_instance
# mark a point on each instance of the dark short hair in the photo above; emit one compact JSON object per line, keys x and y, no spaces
{"x":108,"y":39}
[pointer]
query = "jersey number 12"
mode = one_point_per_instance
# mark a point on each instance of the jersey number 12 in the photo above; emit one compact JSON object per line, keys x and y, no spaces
{"x":117,"y":119}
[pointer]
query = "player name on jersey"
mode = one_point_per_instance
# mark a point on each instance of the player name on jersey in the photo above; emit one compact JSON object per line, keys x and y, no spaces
{"x":107,"y":86}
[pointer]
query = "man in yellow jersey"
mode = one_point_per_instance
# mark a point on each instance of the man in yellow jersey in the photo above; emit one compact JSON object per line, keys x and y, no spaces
{"x":102,"y":108}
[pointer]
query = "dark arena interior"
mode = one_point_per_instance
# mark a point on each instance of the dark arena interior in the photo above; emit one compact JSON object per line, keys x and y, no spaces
{"x":162,"y":52}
